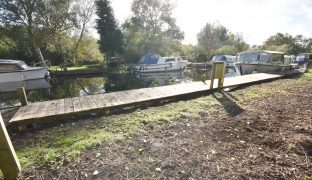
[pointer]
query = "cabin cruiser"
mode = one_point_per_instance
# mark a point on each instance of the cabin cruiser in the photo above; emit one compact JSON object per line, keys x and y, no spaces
{"x":249,"y":62}
{"x":152,"y":62}
{"x":227,"y":59}
{"x":14,"y":70}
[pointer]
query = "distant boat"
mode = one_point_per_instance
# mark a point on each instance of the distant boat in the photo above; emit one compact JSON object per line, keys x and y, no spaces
{"x":227,"y":59}
{"x":14,"y":70}
{"x":249,"y":62}
{"x":153,"y":62}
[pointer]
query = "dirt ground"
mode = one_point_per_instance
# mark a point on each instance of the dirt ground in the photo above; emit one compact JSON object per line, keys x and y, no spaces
{"x":259,"y":139}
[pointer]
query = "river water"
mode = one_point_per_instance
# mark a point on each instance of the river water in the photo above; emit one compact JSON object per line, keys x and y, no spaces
{"x":73,"y":86}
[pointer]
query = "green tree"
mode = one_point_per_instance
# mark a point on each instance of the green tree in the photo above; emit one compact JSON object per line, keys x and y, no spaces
{"x":287,"y":43}
{"x":151,"y":29}
{"x":217,"y":39}
{"x":84,"y":10}
{"x":22,"y":12}
{"x":41,"y":19}
{"x":212,"y":37}
{"x":110,"y":35}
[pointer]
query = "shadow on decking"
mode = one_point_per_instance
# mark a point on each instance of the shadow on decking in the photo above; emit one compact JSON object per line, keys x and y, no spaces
{"x":228,"y":101}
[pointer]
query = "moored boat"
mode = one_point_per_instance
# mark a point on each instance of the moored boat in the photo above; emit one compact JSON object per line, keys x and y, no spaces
{"x":15,"y":70}
{"x":152,"y":62}
{"x":227,"y":59}
{"x":249,"y":62}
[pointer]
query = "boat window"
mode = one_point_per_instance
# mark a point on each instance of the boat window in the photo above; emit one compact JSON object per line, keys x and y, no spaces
{"x":300,"y":58}
{"x":250,"y":57}
{"x":231,"y":59}
{"x":150,"y":59}
{"x":8,"y":67}
{"x":23,"y":66}
{"x":220,"y":58}
{"x":170,"y":60}
{"x":277,"y":58}
{"x":264,"y":57}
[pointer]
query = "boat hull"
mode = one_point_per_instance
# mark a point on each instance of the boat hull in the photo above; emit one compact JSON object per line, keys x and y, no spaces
{"x":34,"y":73}
{"x":151,"y":68}
{"x":247,"y":68}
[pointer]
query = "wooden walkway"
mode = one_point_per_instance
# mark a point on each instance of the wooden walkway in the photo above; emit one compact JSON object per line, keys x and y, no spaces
{"x":69,"y":107}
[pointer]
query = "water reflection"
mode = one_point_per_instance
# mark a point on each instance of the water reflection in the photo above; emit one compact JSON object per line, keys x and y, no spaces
{"x":64,"y":87}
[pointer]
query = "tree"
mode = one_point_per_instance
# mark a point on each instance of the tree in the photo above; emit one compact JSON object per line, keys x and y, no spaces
{"x":41,"y":19}
{"x":212,"y":37}
{"x":110,"y":35}
{"x":84,"y":10}
{"x":287,"y":43}
{"x":217,"y":39}
{"x":22,"y":12}
{"x":152,"y":28}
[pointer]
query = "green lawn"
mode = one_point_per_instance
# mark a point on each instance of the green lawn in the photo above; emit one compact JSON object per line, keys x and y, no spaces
{"x":84,"y":67}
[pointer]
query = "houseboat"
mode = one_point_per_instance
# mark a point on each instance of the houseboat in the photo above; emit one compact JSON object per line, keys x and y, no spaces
{"x":14,"y":70}
{"x":155,"y":63}
{"x":249,"y":62}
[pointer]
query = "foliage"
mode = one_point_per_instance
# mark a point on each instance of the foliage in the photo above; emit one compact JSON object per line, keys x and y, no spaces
{"x":41,"y":20}
{"x":62,"y":50}
{"x":151,"y":29}
{"x":89,"y":51}
{"x":77,"y":68}
{"x":7,"y":46}
{"x":217,"y":39}
{"x":110,"y":35}
{"x":288,"y":44}
{"x":84,"y":10}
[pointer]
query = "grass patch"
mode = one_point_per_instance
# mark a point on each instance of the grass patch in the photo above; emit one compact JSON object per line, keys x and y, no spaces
{"x":71,"y":140}
{"x":78,"y":68}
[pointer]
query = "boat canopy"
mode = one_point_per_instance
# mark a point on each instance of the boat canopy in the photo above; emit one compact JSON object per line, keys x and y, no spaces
{"x":223,"y":58}
{"x":150,"y":58}
{"x":261,"y":57}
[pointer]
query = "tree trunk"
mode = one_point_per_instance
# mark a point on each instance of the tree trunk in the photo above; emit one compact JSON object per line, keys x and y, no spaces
{"x":36,"y":52}
{"x":78,"y":43}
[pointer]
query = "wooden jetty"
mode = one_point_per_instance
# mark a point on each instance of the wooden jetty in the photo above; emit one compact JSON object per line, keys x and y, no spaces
{"x":69,"y":107}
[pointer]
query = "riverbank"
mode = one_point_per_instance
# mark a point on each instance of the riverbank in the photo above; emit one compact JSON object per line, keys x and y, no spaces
{"x":248,"y":133}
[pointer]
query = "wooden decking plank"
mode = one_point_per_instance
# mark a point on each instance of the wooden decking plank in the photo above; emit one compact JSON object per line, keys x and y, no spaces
{"x":127,"y":97}
{"x":113,"y":99}
{"x":106,"y":99}
{"x":91,"y":102}
{"x":97,"y":100}
{"x":68,"y":105}
{"x":76,"y":104}
{"x":52,"y":108}
{"x":19,"y":114}
{"x":31,"y":112}
{"x":84,"y":103}
{"x":44,"y":109}
{"x":60,"y":106}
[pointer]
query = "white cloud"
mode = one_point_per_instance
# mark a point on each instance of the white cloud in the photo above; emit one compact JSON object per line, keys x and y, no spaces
{"x":255,"y":19}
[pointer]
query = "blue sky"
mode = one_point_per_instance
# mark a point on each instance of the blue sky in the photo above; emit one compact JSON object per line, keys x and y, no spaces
{"x":256,"y":20}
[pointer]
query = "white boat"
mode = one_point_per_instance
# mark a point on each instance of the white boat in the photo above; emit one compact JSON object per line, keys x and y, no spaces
{"x":249,"y":62}
{"x":14,"y":70}
{"x":28,"y":85}
{"x":155,"y":63}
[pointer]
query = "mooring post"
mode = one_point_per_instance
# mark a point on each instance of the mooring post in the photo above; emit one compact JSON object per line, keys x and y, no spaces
{"x":217,"y":72}
{"x":22,"y":96}
{"x":9,"y":164}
